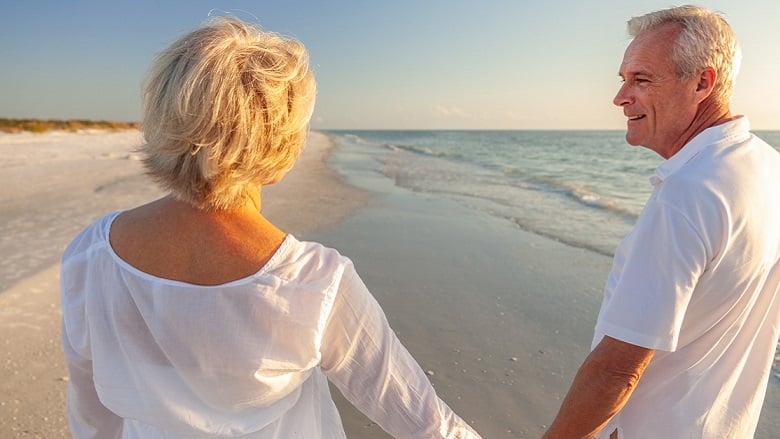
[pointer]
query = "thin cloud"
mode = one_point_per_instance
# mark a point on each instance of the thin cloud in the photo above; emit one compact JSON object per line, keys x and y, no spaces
{"x":450,"y":110}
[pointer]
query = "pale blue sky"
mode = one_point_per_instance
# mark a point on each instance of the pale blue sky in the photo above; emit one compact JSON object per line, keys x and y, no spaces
{"x":425,"y":64}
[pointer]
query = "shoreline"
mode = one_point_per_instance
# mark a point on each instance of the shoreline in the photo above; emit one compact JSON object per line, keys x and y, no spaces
{"x":473,"y":300}
{"x":312,"y":186}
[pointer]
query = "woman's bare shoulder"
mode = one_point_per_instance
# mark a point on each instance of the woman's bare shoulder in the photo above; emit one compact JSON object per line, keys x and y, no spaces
{"x":172,"y":241}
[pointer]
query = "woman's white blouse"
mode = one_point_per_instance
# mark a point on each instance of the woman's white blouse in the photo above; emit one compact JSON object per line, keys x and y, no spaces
{"x":155,"y":358}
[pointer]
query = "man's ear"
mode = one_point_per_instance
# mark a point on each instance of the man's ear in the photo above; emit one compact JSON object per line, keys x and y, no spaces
{"x":706,"y":83}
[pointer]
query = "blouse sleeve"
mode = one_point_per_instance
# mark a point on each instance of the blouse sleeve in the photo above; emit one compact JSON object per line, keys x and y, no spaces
{"x":87,"y":416}
{"x":364,"y":359}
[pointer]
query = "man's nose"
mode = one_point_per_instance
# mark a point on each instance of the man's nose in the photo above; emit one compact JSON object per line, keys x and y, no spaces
{"x":622,"y":96}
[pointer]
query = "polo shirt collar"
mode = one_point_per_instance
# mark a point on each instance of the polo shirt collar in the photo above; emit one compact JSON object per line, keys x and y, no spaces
{"x":733,"y":131}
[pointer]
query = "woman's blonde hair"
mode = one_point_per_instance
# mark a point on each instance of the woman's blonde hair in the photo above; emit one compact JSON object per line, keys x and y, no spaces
{"x":226,"y":107}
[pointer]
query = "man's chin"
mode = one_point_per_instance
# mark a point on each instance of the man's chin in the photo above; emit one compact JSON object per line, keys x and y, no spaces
{"x":633,"y":140}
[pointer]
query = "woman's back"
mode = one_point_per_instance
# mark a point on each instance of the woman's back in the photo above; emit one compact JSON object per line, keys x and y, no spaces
{"x":222,"y":359}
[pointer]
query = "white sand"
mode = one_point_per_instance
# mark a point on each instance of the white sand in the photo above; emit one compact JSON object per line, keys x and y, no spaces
{"x":51,"y":186}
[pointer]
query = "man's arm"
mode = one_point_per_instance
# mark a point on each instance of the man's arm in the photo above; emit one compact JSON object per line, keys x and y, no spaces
{"x":601,"y":387}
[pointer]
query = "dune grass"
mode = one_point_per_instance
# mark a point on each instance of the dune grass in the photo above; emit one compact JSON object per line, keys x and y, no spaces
{"x":42,"y":126}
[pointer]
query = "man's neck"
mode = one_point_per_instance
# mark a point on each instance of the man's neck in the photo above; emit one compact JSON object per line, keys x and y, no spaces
{"x":710,"y":114}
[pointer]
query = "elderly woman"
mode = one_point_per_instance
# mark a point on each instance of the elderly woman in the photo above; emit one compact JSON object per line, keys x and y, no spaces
{"x":193,"y":316}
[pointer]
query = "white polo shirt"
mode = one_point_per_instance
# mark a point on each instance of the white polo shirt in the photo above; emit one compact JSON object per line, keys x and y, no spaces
{"x":697,"y":280}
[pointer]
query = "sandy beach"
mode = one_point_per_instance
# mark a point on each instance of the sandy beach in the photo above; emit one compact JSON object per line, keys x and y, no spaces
{"x":499,"y":317}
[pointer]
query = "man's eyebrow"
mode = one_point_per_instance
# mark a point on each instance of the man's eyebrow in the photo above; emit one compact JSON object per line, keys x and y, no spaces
{"x":636,"y":73}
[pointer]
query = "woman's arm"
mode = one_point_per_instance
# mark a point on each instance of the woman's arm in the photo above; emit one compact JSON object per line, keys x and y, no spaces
{"x":363,"y":357}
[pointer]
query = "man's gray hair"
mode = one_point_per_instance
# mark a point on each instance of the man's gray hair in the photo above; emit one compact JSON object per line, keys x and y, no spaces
{"x":706,"y":40}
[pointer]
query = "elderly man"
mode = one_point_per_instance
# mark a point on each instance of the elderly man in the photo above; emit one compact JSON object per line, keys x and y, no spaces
{"x":688,"y":326}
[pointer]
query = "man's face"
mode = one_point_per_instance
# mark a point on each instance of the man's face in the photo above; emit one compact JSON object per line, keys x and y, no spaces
{"x":658,"y":106}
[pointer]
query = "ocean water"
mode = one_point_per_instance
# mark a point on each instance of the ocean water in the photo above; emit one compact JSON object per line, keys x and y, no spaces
{"x":583,"y":188}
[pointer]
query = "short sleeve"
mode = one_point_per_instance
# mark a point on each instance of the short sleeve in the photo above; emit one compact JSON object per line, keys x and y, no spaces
{"x":653,"y":277}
